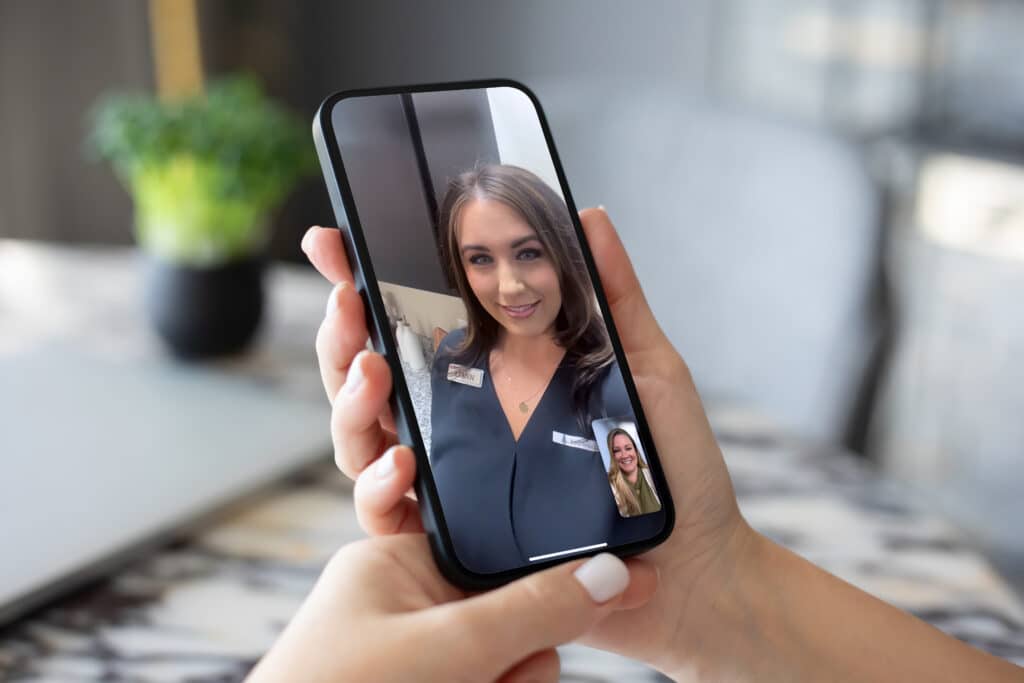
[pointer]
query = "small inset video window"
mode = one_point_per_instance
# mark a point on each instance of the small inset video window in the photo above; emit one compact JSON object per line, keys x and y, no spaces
{"x":629,"y":476}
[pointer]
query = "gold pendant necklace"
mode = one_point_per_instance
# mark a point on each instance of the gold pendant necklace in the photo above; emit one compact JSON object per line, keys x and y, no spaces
{"x":524,"y":406}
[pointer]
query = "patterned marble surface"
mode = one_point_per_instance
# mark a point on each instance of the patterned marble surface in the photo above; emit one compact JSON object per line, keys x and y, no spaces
{"x":205,"y":609}
{"x":418,"y":382}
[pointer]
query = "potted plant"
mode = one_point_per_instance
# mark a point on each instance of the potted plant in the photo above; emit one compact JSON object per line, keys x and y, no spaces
{"x":204,"y":172}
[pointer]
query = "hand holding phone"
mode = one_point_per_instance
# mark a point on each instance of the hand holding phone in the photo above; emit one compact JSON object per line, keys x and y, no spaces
{"x":730,"y":601}
{"x":531,"y":444}
{"x":696,"y":558}
{"x":372,"y":618}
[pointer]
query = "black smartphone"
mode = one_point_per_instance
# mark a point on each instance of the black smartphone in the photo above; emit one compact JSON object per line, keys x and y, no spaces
{"x":510,"y":383}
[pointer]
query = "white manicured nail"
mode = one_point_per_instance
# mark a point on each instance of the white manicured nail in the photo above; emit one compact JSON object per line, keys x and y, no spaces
{"x":603,"y":576}
{"x":385,"y":464}
{"x":355,"y":377}
{"x":307,"y":240}
{"x":332,"y":299}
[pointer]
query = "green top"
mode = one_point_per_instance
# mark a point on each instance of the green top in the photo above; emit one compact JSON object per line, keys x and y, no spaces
{"x":644,"y":494}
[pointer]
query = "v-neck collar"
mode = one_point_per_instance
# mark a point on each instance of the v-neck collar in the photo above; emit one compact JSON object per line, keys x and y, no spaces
{"x":489,"y":378}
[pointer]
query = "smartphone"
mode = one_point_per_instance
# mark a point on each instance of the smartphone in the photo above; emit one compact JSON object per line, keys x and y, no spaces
{"x":510,"y":383}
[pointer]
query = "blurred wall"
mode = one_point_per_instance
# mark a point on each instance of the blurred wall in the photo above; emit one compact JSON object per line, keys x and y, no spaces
{"x":305,"y":51}
{"x":715,"y":208}
{"x":756,"y":240}
{"x":55,"y":58}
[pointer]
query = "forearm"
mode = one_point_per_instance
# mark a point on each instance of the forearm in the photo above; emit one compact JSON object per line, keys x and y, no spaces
{"x":782,"y":618}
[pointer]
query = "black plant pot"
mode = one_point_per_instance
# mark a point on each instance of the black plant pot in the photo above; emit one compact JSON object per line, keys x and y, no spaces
{"x":205,"y":312}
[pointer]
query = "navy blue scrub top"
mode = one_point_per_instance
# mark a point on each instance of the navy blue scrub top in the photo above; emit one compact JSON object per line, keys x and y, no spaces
{"x":506,"y":501}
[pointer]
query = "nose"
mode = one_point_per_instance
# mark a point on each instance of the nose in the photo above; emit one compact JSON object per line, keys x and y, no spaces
{"x":509,"y":283}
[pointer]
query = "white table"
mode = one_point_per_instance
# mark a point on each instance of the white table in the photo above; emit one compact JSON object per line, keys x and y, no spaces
{"x":108,"y":445}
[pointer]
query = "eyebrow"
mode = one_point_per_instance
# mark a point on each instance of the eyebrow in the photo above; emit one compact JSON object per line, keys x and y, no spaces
{"x":515,"y":243}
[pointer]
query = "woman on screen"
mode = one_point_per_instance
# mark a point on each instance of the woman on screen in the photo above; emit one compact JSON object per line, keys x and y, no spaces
{"x":513,"y":393}
{"x":629,"y":476}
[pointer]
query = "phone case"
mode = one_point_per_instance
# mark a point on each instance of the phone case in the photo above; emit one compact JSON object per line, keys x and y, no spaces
{"x":365,"y":282}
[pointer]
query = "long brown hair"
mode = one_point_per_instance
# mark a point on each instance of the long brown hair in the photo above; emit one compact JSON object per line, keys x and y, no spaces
{"x":579,"y":328}
{"x":618,"y":480}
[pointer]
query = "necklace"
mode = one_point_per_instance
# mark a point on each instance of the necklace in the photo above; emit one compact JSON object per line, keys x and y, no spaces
{"x":524,"y":405}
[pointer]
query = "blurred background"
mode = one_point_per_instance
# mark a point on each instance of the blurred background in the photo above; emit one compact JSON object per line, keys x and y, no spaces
{"x":824,"y":198}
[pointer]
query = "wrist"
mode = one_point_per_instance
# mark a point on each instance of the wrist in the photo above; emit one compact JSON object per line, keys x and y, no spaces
{"x":723,"y":634}
{"x":780,"y":617}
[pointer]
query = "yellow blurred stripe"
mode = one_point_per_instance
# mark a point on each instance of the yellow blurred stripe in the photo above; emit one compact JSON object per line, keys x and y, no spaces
{"x":176,"y":53}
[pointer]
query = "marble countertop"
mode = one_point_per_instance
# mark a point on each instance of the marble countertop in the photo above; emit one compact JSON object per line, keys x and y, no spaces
{"x":418,"y":383}
{"x":206,"y":608}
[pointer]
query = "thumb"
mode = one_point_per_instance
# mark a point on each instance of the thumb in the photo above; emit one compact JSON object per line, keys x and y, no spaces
{"x":545,"y":609}
{"x":638,"y":329}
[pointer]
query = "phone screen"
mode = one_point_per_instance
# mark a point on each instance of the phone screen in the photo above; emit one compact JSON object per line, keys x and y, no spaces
{"x":535,"y":447}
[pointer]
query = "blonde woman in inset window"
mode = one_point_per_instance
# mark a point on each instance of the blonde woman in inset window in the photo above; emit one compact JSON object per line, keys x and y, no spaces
{"x":629,"y":476}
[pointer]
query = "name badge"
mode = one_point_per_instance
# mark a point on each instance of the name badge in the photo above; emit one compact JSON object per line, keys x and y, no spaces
{"x":473,"y":377}
{"x":574,"y":441}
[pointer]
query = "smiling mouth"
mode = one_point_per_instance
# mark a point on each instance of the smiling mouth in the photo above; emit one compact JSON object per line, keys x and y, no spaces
{"x":626,"y":461}
{"x":524,"y":311}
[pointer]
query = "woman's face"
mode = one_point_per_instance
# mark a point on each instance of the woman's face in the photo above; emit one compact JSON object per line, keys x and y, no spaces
{"x":624,"y":453}
{"x":508,"y":268}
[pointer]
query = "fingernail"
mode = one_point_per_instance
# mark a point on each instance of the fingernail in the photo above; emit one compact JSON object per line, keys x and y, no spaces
{"x":601,"y":207}
{"x":307,"y":239}
{"x":355,"y":375}
{"x":603,"y":576}
{"x":385,"y":464}
{"x":332,"y":299}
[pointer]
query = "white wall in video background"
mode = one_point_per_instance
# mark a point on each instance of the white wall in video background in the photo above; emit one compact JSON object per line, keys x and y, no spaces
{"x":519,"y":135}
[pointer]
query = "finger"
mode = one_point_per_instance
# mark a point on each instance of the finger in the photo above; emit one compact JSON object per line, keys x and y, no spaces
{"x":638,"y":329}
{"x":540,"y":611}
{"x":341,"y":336}
{"x":325,"y":251}
{"x":538,"y":667}
{"x":382,"y":507}
{"x":358,"y":436}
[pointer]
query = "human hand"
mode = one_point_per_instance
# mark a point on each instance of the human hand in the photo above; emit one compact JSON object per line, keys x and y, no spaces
{"x":711,"y":539}
{"x":381,"y":611}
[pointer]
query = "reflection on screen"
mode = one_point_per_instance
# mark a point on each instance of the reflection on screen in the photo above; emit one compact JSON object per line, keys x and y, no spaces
{"x":519,"y":399}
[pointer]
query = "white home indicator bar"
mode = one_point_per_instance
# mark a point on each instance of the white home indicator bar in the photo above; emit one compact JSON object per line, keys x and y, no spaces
{"x":570,"y":551}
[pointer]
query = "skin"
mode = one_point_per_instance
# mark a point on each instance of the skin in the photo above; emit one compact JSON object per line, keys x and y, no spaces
{"x":734,"y":606}
{"x":382,"y":612}
{"x":507,"y":266}
{"x":625,"y":455}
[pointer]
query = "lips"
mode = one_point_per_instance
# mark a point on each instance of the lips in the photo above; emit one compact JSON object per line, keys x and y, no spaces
{"x":626,"y":461}
{"x":524,"y":311}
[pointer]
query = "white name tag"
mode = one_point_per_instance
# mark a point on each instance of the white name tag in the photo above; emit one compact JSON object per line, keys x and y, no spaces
{"x":473,"y":377}
{"x":574,"y":441}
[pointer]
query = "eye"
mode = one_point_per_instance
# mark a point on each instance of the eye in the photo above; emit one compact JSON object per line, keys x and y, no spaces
{"x":479,"y":259}
{"x":530,"y":254}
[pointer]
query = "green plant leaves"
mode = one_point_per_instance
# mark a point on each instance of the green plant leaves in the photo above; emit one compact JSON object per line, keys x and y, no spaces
{"x":204,"y":171}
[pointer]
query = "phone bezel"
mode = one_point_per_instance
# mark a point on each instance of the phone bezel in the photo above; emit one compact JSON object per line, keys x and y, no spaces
{"x":365,"y":283}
